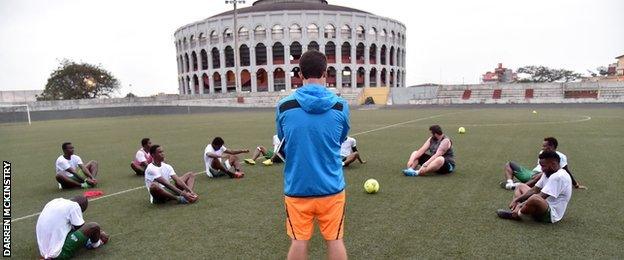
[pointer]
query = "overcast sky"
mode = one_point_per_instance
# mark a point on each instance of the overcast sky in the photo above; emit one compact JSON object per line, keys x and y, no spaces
{"x":448,"y":41}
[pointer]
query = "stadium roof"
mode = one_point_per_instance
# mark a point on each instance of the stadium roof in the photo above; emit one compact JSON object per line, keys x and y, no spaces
{"x":289,"y":5}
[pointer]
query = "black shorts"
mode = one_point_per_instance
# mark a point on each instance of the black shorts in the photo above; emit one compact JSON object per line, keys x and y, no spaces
{"x":447,"y":167}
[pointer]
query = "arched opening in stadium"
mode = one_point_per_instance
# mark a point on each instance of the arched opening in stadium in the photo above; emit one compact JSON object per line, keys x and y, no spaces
{"x":361,"y":73}
{"x":229,"y":57}
{"x":261,"y":54}
{"x":244,"y":55}
{"x":330,"y":52}
{"x":373,"y":77}
{"x":262,"y":80}
{"x":331,"y":77}
{"x":346,"y":77}
{"x":216,"y":58}
{"x":346,"y":52}
{"x":230,"y":81}
{"x":295,"y":80}
{"x":278,"y":53}
{"x":279,"y":79}
{"x":313,"y":46}
{"x":216,"y":82}
{"x":204,"y":59}
{"x":359,"y":53}
{"x":295,"y":52}
{"x":245,"y":81}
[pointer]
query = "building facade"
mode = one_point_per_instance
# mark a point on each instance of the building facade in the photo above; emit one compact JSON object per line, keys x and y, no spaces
{"x":363,"y":50}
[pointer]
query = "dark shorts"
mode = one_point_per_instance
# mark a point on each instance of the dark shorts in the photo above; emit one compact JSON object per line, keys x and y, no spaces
{"x":447,"y":167}
{"x":155,"y":200}
{"x":545,"y":217}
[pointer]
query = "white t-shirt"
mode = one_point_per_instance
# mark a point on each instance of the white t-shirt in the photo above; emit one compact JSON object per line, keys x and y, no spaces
{"x":54,"y":223}
{"x":208,"y":159}
{"x":346,"y":146}
{"x":563,"y":161}
{"x":276,"y":142}
{"x":142,"y":156}
{"x":559,"y":189}
{"x":63,"y":164}
{"x":153,"y":172}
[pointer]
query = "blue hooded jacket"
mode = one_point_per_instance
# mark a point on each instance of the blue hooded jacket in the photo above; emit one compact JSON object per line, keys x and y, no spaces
{"x":313,"y":122}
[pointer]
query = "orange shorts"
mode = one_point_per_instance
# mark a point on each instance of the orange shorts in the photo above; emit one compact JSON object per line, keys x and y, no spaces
{"x":329,"y":211}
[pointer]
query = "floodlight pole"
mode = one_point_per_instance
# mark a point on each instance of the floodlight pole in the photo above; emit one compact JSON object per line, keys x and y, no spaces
{"x":236,"y":58}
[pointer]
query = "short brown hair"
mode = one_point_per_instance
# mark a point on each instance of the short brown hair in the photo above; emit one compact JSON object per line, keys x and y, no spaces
{"x":313,"y":64}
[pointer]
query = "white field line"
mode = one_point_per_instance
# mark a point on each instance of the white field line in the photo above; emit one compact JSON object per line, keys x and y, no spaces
{"x":356,"y":134}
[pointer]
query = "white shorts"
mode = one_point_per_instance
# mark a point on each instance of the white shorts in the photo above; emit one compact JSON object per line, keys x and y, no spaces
{"x":218,"y":173}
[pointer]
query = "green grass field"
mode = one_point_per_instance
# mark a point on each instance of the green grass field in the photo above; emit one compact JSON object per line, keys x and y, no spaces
{"x":449,"y":216}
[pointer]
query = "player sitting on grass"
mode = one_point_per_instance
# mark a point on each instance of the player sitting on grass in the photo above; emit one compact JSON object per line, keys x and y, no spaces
{"x":548,"y":199}
{"x":349,"y":152}
{"x":269,"y":154}
{"x":163,"y":184}
{"x":220,"y":161}
{"x":61,"y":230}
{"x":67,"y":166}
{"x":530,"y":177}
{"x":435,"y":155}
{"x":142,"y":157}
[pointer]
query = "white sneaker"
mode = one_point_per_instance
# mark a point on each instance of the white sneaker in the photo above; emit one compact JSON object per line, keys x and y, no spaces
{"x":60,"y":186}
{"x":209,"y":174}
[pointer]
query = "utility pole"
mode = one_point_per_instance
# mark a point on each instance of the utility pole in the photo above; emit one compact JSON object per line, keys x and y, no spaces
{"x":236,"y":54}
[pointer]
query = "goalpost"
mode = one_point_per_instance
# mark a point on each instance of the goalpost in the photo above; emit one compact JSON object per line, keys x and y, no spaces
{"x":24,"y":108}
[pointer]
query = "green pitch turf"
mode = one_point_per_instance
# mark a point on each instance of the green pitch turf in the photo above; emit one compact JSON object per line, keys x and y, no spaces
{"x":425,"y":217}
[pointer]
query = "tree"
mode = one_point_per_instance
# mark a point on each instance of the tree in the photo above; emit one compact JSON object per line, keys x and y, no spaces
{"x":130,"y":95}
{"x":545,"y":74}
{"x":73,"y":80}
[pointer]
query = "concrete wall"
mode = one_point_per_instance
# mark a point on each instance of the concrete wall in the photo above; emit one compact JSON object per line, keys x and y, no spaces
{"x":240,"y":100}
{"x":11,"y":96}
{"x":608,"y":92}
{"x":404,"y":95}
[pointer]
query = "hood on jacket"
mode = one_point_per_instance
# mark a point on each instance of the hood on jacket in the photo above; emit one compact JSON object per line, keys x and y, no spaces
{"x":315,"y":99}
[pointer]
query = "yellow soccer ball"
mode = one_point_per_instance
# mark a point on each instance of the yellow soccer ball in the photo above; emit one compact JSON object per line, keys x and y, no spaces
{"x":461,"y":130}
{"x":371,"y":186}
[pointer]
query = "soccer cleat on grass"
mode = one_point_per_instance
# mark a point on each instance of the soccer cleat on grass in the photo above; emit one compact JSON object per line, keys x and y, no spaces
{"x":60,"y":186}
{"x":86,"y":185}
{"x":250,"y":161}
{"x":506,"y":214}
{"x":267,"y":162}
{"x":507,"y":185}
{"x":410,"y":172}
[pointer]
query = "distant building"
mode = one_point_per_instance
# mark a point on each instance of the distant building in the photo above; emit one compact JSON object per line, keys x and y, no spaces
{"x":614,"y":72}
{"x":620,"y":65}
{"x":500,"y":75}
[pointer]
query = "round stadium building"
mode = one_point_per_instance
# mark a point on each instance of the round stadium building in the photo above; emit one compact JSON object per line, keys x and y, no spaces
{"x":362,"y":49}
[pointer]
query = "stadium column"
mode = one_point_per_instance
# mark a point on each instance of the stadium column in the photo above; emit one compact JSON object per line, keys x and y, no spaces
{"x":287,"y":66}
{"x":252,"y":57}
{"x":201,"y":84}
{"x":354,"y":73}
{"x":338,"y":77}
{"x":224,"y":82}
{"x":211,"y":89}
{"x":366,"y":76}
{"x":254,"y":80}
{"x":270,"y":80}
{"x":378,"y":77}
{"x":209,"y":57}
